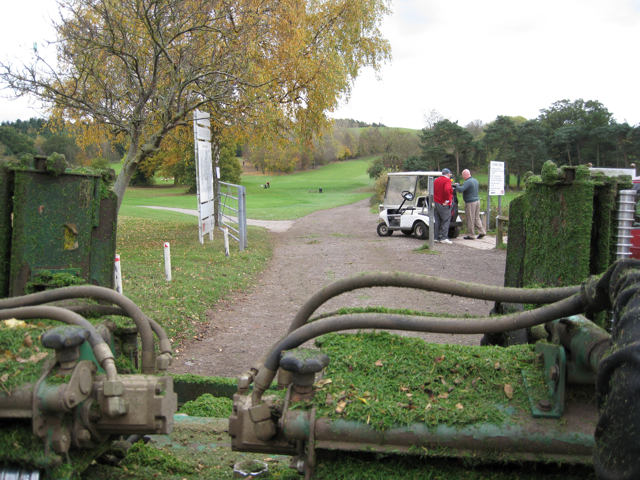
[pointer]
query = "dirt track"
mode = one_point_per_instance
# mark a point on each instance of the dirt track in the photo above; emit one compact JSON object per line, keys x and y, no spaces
{"x":316,"y":251}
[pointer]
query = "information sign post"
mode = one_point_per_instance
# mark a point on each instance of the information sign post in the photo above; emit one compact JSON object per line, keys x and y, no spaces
{"x":204,"y":174}
{"x":496,"y":188}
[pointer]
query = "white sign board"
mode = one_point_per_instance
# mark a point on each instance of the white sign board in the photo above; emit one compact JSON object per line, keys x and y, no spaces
{"x":496,"y":178}
{"x":204,"y":173}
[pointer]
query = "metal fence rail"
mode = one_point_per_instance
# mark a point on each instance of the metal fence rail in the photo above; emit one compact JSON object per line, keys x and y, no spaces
{"x":232,"y":212}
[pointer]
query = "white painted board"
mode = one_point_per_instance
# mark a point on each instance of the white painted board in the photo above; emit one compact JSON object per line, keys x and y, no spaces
{"x":496,"y":179}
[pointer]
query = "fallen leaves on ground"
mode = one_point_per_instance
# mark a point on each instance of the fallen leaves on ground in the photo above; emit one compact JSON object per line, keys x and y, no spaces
{"x":508,"y":391}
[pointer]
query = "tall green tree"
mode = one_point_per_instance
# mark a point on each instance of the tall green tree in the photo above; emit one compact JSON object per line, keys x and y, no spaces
{"x":17,"y":143}
{"x":500,"y":140}
{"x":622,"y":134}
{"x":530,"y":147}
{"x":456,"y":140}
{"x":577,"y":120}
{"x":605,"y":145}
{"x":433,"y":149}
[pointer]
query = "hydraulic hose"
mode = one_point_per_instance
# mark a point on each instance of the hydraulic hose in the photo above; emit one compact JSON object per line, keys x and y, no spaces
{"x":433,"y":284}
{"x":96,"y":293}
{"x":100,"y":348}
{"x":421,"y":282}
{"x":163,"y":340}
{"x":564,"y":308}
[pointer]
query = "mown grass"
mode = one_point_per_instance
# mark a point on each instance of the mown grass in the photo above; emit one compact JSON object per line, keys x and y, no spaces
{"x":22,"y":355}
{"x":208,"y":406}
{"x":387,"y":380}
{"x":201,"y":274}
{"x":290,"y":196}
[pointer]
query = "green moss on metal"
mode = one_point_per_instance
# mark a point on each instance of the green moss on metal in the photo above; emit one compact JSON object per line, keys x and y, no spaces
{"x":371,"y":466}
{"x":199,"y":380}
{"x":395,"y":311}
{"x":56,"y":164}
{"x":58,"y":379}
{"x":208,"y":406}
{"x":124,"y":364}
{"x":561,"y":232}
{"x":558,"y":234}
{"x":517,"y":246}
{"x":61,"y":222}
{"x":6,"y":187}
{"x":549,"y":173}
{"x":19,"y":447}
{"x":52,"y":280}
{"x":388,"y":380}
{"x":157,"y":458}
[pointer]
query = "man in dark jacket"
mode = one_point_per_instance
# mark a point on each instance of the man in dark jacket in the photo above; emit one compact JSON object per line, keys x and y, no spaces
{"x":442,"y":198}
{"x":471,"y":199}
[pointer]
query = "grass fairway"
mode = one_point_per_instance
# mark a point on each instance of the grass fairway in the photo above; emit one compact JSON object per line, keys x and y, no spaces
{"x":201,"y":274}
{"x":290,"y":196}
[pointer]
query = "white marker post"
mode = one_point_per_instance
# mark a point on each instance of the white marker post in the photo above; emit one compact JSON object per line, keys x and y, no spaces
{"x":226,"y":242}
{"x":117,"y":275}
{"x":167,"y":261}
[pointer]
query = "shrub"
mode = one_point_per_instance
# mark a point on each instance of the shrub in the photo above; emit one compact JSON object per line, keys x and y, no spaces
{"x":100,"y":163}
{"x":379,"y":188}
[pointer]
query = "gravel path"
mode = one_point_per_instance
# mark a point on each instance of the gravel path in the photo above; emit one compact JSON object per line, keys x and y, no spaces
{"x":317,"y":250}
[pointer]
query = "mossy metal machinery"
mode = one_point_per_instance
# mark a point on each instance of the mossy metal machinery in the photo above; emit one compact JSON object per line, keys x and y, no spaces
{"x":573,"y":399}
{"x":58,"y":226}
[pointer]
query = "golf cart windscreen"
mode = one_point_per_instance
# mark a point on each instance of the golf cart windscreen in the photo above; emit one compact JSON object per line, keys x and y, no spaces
{"x":398,"y":184}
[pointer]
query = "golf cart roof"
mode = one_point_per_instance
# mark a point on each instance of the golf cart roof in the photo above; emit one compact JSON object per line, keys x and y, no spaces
{"x":420,"y":174}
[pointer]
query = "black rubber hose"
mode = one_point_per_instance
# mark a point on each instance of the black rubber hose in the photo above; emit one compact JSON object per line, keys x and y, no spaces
{"x":433,"y":284}
{"x":96,"y":293}
{"x":111,"y":310}
{"x":564,"y":308}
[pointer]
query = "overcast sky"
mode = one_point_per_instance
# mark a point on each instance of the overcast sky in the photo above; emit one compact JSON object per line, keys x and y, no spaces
{"x":468,"y":59}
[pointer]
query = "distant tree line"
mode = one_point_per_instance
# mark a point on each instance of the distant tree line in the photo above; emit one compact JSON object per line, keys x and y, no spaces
{"x":37,"y":136}
{"x":175,"y":160}
{"x":351,"y":123}
{"x":346,"y":140}
{"x":569,"y":133}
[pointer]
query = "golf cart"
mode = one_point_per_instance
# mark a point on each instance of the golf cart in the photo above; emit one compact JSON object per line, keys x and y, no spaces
{"x":404,"y":210}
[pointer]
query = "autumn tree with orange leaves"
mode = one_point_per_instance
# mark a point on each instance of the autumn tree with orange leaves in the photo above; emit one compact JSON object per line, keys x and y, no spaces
{"x":137,"y":69}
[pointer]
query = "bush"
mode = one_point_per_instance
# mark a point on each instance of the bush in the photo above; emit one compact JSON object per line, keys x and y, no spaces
{"x":379,"y":189}
{"x":139,"y":179}
{"x":100,"y":163}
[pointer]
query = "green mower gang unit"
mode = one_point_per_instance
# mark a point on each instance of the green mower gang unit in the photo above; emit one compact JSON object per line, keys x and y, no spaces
{"x":68,"y":387}
{"x":567,"y":395}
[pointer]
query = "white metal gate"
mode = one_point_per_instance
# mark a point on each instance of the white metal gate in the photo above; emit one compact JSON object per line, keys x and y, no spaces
{"x":232,"y":211}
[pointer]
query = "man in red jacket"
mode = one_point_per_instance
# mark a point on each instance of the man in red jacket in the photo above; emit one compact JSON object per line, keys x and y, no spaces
{"x":442,"y":198}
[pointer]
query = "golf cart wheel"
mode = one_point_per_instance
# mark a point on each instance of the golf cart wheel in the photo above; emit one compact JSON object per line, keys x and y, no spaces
{"x":407,"y":232}
{"x":454,"y":232}
{"x":421,"y":230}
{"x":383,"y":230}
